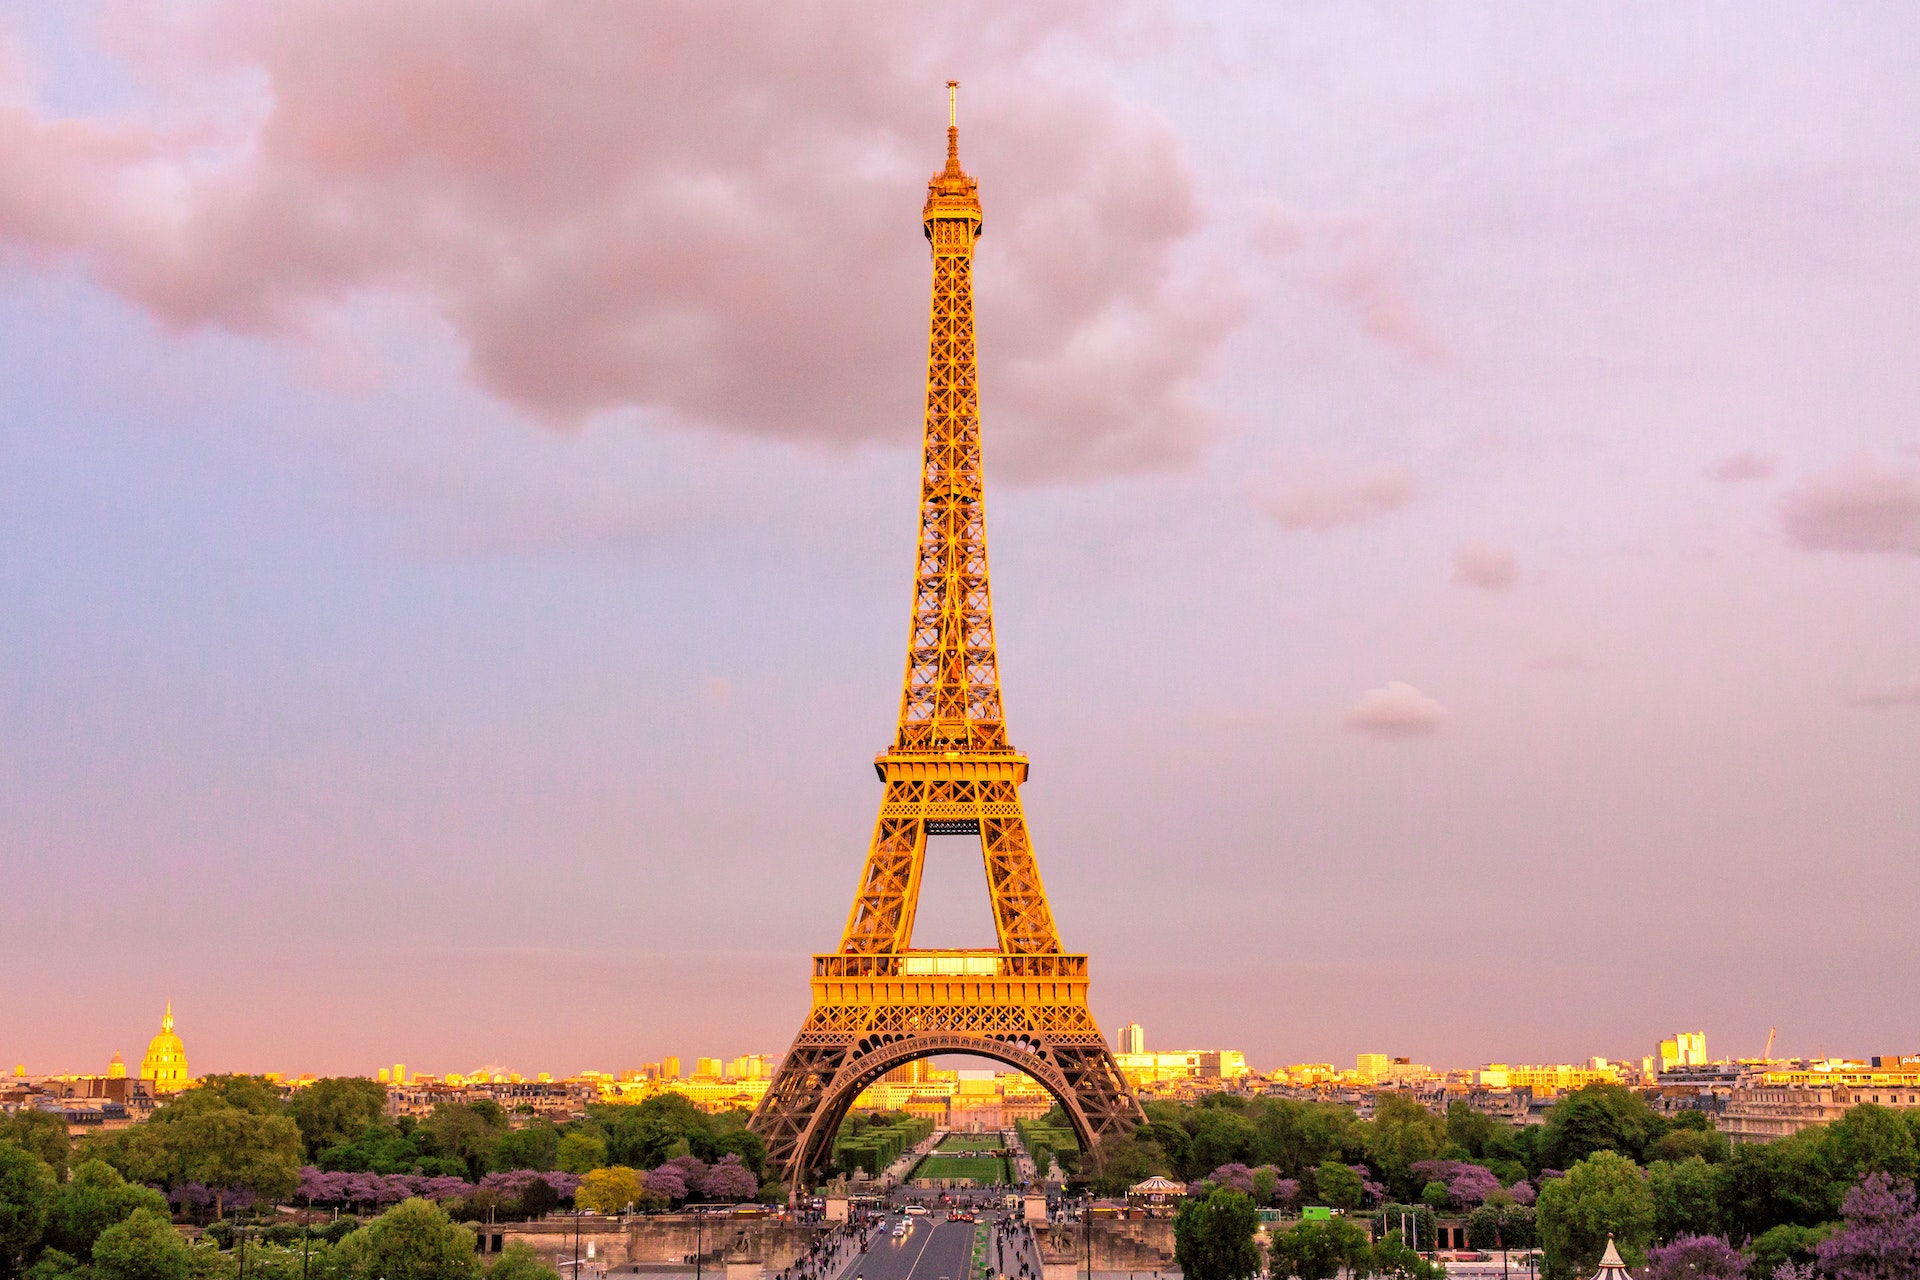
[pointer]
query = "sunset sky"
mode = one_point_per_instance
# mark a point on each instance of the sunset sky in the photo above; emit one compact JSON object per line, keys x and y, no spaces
{"x":1453,"y":484}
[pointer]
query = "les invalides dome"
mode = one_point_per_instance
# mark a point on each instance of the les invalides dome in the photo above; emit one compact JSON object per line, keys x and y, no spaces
{"x":166,"y":1060}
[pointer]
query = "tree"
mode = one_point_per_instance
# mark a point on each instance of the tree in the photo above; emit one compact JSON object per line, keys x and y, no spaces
{"x":1603,"y":1195}
{"x":95,"y":1198}
{"x":467,"y":1131}
{"x":608,"y":1190}
{"x":1220,"y":1137}
{"x":27,"y":1198}
{"x":1338,"y":1186}
{"x":1695,"y":1258}
{"x":144,"y":1247}
{"x":1500,"y":1226}
{"x":1317,"y":1250}
{"x":1879,"y":1234}
{"x":518,"y":1261}
{"x":1401,"y":1134}
{"x":41,"y":1132}
{"x":1871,"y":1139}
{"x":336,"y":1110}
{"x":1685,"y":1198}
{"x":1126,"y":1159}
{"x":1778,"y":1246}
{"x":580,"y":1152}
{"x":218,"y":1145}
{"x":412,"y":1241}
{"x":1434,"y":1195}
{"x":1764,"y":1184}
{"x":1599,"y":1117}
{"x":1683,"y":1144}
{"x":1213,"y":1236}
{"x":730,"y":1179}
{"x":1389,"y":1257}
{"x":534,"y":1147}
{"x":249,"y":1093}
{"x":1472,"y":1131}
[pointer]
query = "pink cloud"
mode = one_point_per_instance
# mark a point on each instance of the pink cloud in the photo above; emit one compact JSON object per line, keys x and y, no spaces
{"x":1488,"y":568}
{"x":1861,"y":507}
{"x":1395,"y":710}
{"x":1738,"y":467}
{"x":694,"y":210}
{"x":1324,"y":503}
{"x":1357,"y":264}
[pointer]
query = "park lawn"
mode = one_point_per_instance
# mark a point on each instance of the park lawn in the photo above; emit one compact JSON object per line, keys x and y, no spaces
{"x":971,"y":1142}
{"x":978,"y":1168}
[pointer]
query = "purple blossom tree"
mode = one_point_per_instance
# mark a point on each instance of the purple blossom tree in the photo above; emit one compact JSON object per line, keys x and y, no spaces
{"x":1523,"y":1193}
{"x":667,"y":1181}
{"x":730,"y":1179}
{"x":1471,"y":1184}
{"x":1286,"y":1191}
{"x":1879,"y":1235}
{"x":1696,"y":1258}
{"x":1235,"y":1177}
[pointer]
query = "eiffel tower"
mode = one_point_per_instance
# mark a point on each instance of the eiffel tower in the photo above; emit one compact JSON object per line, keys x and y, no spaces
{"x":878,"y":1002}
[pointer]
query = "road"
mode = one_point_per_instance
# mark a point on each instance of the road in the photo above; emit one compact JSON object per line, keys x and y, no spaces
{"x":931,"y":1250}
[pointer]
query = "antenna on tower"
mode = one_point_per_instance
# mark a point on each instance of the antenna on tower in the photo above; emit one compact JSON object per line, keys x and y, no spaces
{"x":953,"y":104}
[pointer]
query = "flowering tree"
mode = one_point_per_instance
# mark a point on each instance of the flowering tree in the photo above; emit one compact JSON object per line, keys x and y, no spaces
{"x":1234,"y":1177}
{"x":730,"y":1179}
{"x":1696,"y":1258}
{"x":667,"y":1181}
{"x":1879,"y":1237}
{"x":1523,"y":1193}
{"x":1286,"y":1191}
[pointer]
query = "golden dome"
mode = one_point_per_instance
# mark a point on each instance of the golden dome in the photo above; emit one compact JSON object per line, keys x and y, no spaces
{"x":117,"y":1069}
{"x":166,"y":1060}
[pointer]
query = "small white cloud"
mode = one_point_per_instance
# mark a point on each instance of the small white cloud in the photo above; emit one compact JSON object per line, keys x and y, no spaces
{"x":1320,"y":505}
{"x":1488,"y":568}
{"x":1890,"y":698}
{"x":1395,"y":710}
{"x":1860,"y":508}
{"x":1736,"y":467}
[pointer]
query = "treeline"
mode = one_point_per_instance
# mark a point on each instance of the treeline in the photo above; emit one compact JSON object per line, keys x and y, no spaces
{"x":1603,"y":1163}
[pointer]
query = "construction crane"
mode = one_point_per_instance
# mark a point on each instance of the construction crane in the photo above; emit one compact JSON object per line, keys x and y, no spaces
{"x":1768,"y":1055}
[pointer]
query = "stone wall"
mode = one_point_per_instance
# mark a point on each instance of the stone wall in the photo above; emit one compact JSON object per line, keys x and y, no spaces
{"x":622,"y":1242}
{"x":1119,"y":1244}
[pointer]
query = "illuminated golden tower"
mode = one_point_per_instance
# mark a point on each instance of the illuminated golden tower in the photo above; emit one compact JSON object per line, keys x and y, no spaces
{"x":878,"y":1002}
{"x":166,"y":1060}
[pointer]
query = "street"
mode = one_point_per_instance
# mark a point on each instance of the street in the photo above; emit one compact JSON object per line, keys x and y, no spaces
{"x":931,"y":1250}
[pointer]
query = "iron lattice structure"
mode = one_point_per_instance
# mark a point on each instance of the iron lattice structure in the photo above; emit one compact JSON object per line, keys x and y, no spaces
{"x":877,"y":1002}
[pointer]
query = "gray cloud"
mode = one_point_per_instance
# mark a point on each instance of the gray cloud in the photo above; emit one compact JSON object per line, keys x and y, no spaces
{"x":1737,"y":467}
{"x":1319,"y":504}
{"x":1862,"y":508}
{"x":1889,"y":698}
{"x":1487,"y":568}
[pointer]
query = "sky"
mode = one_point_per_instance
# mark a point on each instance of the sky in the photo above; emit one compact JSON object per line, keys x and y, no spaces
{"x":1453,"y":485}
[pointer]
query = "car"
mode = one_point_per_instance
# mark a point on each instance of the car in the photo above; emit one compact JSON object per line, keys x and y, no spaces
{"x":917,"y":1210}
{"x":899,"y":1228}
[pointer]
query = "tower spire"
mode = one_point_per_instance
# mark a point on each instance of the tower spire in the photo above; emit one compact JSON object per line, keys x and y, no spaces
{"x":953,"y":128}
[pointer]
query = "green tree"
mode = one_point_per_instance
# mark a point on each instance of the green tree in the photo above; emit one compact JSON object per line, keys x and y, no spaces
{"x":580,"y":1152}
{"x":41,"y":1132}
{"x":1389,"y":1257}
{"x":219,"y":1146}
{"x":1685,"y":1199}
{"x":534,"y":1147}
{"x":1338,"y":1186}
{"x":1126,"y":1159}
{"x":608,"y":1190}
{"x":1500,"y":1226}
{"x":467,"y":1132}
{"x":249,"y":1093}
{"x":1317,"y":1250}
{"x":1605,"y":1194}
{"x":1683,"y":1144}
{"x":1474,"y":1132}
{"x":93,"y":1199}
{"x":1790,"y":1180}
{"x":1784,"y":1244}
{"x":1401,"y":1134}
{"x":1219,"y":1137}
{"x":27,"y":1198}
{"x":52,"y":1264}
{"x":143,"y":1247}
{"x":518,"y":1261}
{"x":1434,"y":1195}
{"x":1213,"y":1236}
{"x":336,"y":1110}
{"x":1871,"y":1139}
{"x":1599,"y":1117}
{"x":411,"y":1241}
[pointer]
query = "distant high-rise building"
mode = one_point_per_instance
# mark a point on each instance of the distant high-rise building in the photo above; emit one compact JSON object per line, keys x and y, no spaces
{"x":669,"y":1068}
{"x":1132,"y":1039}
{"x":384,"y":1076}
{"x":1371,"y":1066}
{"x":399,"y":1073}
{"x":750,"y":1066}
{"x":709,"y":1067}
{"x":1686,"y":1049}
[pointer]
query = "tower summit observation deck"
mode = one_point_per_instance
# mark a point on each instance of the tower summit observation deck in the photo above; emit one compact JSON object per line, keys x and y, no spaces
{"x":878,"y":1002}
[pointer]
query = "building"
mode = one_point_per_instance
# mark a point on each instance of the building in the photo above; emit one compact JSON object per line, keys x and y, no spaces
{"x":165,"y":1065}
{"x":1779,"y":1103}
{"x":1686,"y":1049}
{"x":669,"y":1068}
{"x":751,"y":1066}
{"x":1369,"y":1067}
{"x":706,"y":1069}
{"x":1170,"y":1065}
{"x":1132,"y":1039}
{"x":1546,"y":1079}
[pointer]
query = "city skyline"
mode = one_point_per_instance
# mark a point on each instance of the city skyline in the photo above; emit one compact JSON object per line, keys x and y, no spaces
{"x":1456,"y":511}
